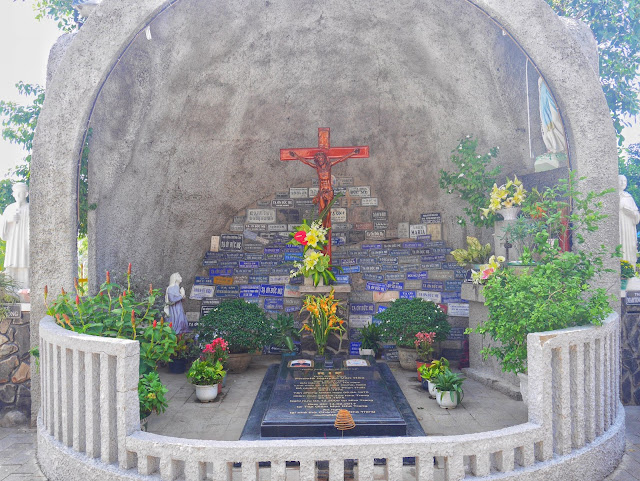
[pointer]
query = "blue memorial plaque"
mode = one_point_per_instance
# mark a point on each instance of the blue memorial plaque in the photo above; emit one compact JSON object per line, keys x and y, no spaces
{"x":456,"y":334}
{"x":271,"y":290}
{"x":387,"y":260}
{"x":431,"y":265}
{"x":420,"y":252}
{"x":258,"y":279}
{"x":228,"y":263}
{"x":412,"y":245}
{"x":395,"y":286}
{"x":227,"y":291}
{"x":293,"y":256}
{"x":376,"y":286}
{"x":433,"y":285}
{"x":379,"y":252}
{"x":434,"y":258}
{"x":351,"y":269}
{"x":244,"y":271}
{"x":354,"y":348}
{"x":448,"y":297}
{"x":220,"y":272}
{"x":367,"y":261}
{"x":441,"y":250}
{"x":450,"y":265}
{"x":407,"y":294}
{"x":453,"y":285}
{"x":394,"y":276}
{"x":292,"y":248}
{"x":389,"y":268}
{"x":373,"y":277}
{"x":414,"y":276}
{"x":434,"y":244}
{"x":424,"y":237}
{"x":203,"y":281}
{"x":431,"y":218}
{"x":235,"y":256}
{"x":361,"y":307}
{"x":274,"y":304}
{"x":348,"y":262}
{"x":343,"y":279}
{"x":338,"y":240}
{"x":209,"y":262}
{"x":249,"y":291}
{"x":249,"y":264}
{"x":272,"y":250}
{"x":289,"y":309}
{"x":382,"y":309}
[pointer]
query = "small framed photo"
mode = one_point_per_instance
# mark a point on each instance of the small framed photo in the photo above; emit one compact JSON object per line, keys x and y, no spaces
{"x":301,"y":363}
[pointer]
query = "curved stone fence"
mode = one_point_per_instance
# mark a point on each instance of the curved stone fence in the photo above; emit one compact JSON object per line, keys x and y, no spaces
{"x":88,"y":425}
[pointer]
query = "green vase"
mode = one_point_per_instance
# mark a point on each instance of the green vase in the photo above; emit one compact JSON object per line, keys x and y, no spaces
{"x":623,"y":283}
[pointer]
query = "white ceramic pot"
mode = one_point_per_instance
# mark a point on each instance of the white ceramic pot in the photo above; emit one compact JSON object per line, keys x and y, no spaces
{"x":206,"y":394}
{"x":432,"y":390}
{"x":509,"y":213}
{"x":444,"y":399}
{"x":367,"y":352}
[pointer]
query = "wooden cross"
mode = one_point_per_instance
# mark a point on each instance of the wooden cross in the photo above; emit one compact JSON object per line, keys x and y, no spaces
{"x":322,"y":159}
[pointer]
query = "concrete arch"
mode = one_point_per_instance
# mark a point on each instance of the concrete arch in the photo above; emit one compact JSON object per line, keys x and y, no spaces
{"x":98,"y":46}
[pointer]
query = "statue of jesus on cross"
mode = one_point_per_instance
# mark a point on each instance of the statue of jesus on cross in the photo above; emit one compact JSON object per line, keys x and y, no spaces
{"x":324,"y":157}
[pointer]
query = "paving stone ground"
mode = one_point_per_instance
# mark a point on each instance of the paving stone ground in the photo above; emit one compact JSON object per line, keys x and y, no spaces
{"x":226,"y":416}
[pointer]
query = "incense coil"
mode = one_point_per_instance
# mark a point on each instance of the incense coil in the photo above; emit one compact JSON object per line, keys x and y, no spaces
{"x":344,"y":420}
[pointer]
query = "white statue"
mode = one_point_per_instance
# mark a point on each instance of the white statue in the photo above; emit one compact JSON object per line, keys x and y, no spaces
{"x":173,"y":298}
{"x":552,"y":131}
{"x":14,"y":229}
{"x":628,"y":218}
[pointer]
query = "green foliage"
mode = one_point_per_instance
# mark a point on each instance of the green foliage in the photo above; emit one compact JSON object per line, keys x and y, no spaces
{"x":118,"y":312}
{"x":61,"y":11}
{"x":626,"y":270}
{"x":284,"y":331}
{"x":473,"y":180}
{"x":244,"y":326}
{"x":475,"y":253}
{"x":429,"y":371}
{"x":204,"y":373}
{"x":83,"y":186}
{"x":406,"y":317}
{"x":449,"y":381}
{"x":371,"y":336}
{"x":184,"y":347}
{"x":19,"y":123}
{"x":616,"y":26}
{"x":151,"y":393}
{"x":555,"y":292}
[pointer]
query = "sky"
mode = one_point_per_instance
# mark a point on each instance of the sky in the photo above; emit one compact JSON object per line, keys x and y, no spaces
{"x":23,"y":56}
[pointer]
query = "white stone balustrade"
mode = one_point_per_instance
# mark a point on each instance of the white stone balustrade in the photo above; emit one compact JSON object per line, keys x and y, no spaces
{"x":88,"y":426}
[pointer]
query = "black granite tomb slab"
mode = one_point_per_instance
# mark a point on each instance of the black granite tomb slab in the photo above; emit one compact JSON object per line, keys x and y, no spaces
{"x":303,"y":403}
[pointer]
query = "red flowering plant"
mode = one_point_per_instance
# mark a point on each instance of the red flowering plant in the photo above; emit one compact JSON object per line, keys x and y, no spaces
{"x":424,"y":345}
{"x":117,"y":312}
{"x":216,"y":350}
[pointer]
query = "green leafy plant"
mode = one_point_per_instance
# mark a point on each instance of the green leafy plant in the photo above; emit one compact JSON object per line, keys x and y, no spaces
{"x":475,"y":253}
{"x":450,"y":382}
{"x":151,"y":393}
{"x":244,"y":326}
{"x":429,"y":371}
{"x":284,"y":331}
{"x":118,"y":312}
{"x":371,"y":337}
{"x":183,"y":347}
{"x":473,"y":180}
{"x":626,"y":270}
{"x":406,"y":317}
{"x":204,"y":373}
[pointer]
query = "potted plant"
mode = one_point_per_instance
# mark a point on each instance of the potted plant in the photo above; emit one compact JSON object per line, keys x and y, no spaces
{"x":626,"y":273}
{"x":217,"y":351}
{"x":474,"y":255}
{"x":448,"y":389}
{"x":151,"y":394}
{"x":285,"y":334}
{"x":179,"y":358}
{"x":404,"y":318}
{"x":371,"y":336}
{"x":424,"y":348}
{"x":428,"y":373}
{"x":322,"y":320}
{"x":206,"y":377}
{"x":243,"y":326}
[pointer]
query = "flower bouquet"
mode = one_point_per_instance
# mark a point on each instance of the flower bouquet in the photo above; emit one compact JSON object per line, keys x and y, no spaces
{"x":322,"y":319}
{"x":315,"y":263}
{"x":486,"y":270}
{"x":511,"y":194}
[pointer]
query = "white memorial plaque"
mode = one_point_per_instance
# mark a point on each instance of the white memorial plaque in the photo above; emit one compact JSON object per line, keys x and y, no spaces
{"x":261,"y":216}
{"x":417,"y":229}
{"x":298,"y":192}
{"x":359,"y":320}
{"x":460,"y":309}
{"x":277,"y":227}
{"x":313,"y":191}
{"x":339,"y":214}
{"x":369,"y":202}
{"x":430,"y":296}
{"x":279,"y":279}
{"x":403,"y":230}
{"x":200,"y":292}
{"x":215,"y":243}
{"x":361,"y":191}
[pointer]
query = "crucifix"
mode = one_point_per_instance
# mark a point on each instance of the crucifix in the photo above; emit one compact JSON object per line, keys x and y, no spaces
{"x":322,"y":158}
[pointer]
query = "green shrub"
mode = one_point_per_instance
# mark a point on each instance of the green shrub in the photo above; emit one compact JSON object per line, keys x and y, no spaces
{"x":151,"y":394}
{"x":406,"y":317}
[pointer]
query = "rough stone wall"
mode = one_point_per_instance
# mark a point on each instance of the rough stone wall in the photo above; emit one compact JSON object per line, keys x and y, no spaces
{"x":15,"y":376}
{"x":630,"y":355}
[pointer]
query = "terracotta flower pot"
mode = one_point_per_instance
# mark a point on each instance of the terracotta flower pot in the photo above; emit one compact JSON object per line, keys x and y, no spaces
{"x":420,"y":364}
{"x":238,"y":363}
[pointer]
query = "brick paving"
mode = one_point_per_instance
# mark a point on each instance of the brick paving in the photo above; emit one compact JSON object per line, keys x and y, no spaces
{"x":226,"y":417}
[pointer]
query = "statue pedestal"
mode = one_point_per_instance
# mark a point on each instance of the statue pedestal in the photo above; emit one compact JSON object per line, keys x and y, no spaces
{"x":550,"y":161}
